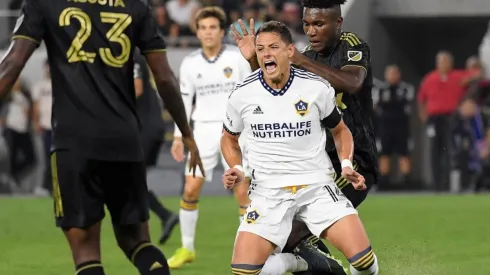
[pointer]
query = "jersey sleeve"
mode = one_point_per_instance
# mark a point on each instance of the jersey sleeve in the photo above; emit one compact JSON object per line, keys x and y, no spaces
{"x":148,"y":36}
{"x":30,"y":24}
{"x":356,"y":53}
{"x":232,"y":123}
{"x":187,"y":89}
{"x":330,"y":114}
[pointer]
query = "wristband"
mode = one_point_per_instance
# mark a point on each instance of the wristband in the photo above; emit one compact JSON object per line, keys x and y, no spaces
{"x":346,"y":163}
{"x":239,"y":167}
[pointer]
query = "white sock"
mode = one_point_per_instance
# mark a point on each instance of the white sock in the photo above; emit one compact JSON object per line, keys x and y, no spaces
{"x":373,"y":270}
{"x":279,"y":264}
{"x":188,"y":222}
{"x":240,"y":218}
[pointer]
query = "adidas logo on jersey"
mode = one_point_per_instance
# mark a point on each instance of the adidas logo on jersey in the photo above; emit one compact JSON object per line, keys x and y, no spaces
{"x":258,"y":110}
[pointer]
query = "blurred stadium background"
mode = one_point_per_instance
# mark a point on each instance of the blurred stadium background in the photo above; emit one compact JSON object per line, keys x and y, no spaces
{"x":406,"y":33}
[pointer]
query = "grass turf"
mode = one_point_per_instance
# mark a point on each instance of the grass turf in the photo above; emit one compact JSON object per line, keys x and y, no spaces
{"x":420,"y":235}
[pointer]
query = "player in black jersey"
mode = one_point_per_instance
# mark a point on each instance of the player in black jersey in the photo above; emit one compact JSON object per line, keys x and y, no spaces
{"x":150,"y":111}
{"x":97,"y":156}
{"x":344,"y":60}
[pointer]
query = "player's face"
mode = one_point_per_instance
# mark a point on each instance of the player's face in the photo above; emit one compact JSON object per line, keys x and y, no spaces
{"x":392,"y":75}
{"x":273,"y":55}
{"x":209,"y":32}
{"x":321,"y":26}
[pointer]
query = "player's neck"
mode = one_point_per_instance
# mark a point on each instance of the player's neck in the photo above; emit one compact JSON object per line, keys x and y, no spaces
{"x":279,"y":83}
{"x":211,"y":52}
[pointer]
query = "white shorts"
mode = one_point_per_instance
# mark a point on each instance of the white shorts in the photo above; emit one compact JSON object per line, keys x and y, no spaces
{"x":208,"y":140}
{"x":272,"y":210}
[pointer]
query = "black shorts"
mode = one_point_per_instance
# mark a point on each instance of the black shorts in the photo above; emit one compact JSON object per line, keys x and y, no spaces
{"x":81,"y":188}
{"x":356,"y":197}
{"x":152,"y":151}
{"x":394,"y":139}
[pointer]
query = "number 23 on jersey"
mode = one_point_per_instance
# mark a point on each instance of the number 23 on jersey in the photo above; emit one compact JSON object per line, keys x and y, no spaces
{"x":119,"y":21}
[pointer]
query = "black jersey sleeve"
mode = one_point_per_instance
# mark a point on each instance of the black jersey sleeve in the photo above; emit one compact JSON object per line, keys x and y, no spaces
{"x":356,"y":52}
{"x":148,"y":36}
{"x":30,"y":24}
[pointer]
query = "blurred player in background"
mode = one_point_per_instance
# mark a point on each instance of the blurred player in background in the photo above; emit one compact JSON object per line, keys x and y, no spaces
{"x":150,"y":111}
{"x":393,"y":101}
{"x":344,"y":60}
{"x":292,"y":173}
{"x":97,"y":157}
{"x":210,"y":74}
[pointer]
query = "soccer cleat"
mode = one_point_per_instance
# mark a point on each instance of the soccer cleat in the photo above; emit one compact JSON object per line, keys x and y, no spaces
{"x":180,"y":258}
{"x":169,"y":226}
{"x":319,"y":263}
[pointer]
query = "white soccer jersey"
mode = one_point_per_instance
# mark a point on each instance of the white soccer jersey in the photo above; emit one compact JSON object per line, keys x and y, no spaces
{"x":284,"y":134}
{"x":211,"y":81}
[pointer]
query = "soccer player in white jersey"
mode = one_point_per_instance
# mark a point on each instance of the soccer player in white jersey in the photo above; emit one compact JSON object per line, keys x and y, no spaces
{"x":292,"y":173}
{"x":209,"y":74}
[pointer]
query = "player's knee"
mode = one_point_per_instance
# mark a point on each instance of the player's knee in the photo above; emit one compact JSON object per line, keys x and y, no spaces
{"x":129,"y":236}
{"x":191,"y":192}
{"x":188,"y":204}
{"x":364,"y":262}
{"x":240,"y":269}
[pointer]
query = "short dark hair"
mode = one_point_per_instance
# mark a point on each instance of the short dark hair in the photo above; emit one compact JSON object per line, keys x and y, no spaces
{"x":321,"y":4}
{"x":279,"y":28}
{"x":213,"y":12}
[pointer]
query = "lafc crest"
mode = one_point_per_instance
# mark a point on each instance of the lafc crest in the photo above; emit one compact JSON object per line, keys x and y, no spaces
{"x":228,"y":72}
{"x":301,"y":107}
{"x":355,"y":56}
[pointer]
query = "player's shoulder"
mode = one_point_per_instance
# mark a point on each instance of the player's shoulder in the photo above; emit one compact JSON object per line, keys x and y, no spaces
{"x":405,"y":85}
{"x":193,"y":56}
{"x":247,"y":83}
{"x":311,"y":79}
{"x":308,"y":51}
{"x":232,"y":52}
{"x":352,"y":40}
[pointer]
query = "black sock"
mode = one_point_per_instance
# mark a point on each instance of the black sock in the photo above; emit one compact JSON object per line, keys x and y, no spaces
{"x":316,"y":241}
{"x":90,"y":268}
{"x":149,"y":260}
{"x":157,"y":207}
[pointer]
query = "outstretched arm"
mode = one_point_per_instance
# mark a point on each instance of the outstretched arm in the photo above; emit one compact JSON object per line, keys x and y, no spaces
{"x":168,"y":89}
{"x":13,"y":62}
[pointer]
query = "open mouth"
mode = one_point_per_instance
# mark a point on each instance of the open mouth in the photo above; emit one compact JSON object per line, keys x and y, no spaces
{"x":270,"y":66}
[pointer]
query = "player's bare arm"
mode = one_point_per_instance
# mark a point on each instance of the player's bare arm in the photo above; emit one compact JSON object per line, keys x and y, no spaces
{"x":232,"y":153}
{"x":246,"y":42}
{"x":345,"y":149}
{"x":169,"y":91}
{"x":349,"y":79}
{"x":13,"y":62}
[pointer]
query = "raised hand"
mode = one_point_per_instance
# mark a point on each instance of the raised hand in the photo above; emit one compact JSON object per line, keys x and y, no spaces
{"x":244,"y":40}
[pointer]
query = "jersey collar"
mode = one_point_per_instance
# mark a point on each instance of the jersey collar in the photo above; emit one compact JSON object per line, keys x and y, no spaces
{"x":271,"y":90}
{"x":216,"y":58}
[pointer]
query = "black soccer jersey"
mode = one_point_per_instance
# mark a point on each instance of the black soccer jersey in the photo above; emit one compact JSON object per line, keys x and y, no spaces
{"x":148,"y":105}
{"x":357,"y":109}
{"x":90,"y":47}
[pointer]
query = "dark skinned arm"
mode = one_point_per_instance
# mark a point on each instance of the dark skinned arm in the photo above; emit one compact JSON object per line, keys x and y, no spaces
{"x":13,"y":62}
{"x":168,"y":88}
{"x":349,"y":79}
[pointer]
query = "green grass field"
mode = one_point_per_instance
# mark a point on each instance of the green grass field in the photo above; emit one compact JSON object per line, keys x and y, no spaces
{"x":419,"y":235}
